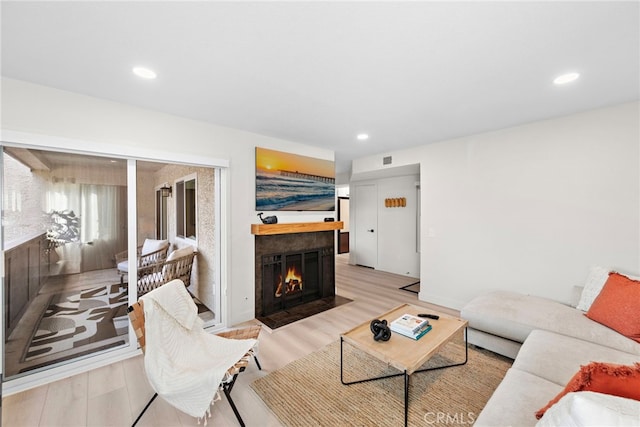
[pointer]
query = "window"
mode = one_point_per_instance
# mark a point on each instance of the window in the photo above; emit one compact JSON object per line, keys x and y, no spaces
{"x":186,"y":207}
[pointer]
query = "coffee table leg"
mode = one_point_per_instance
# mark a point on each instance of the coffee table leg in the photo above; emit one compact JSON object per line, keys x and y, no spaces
{"x":466,"y":358}
{"x":341,"y":370}
{"x":406,"y":397}
{"x":406,"y":376}
{"x":364,"y":380}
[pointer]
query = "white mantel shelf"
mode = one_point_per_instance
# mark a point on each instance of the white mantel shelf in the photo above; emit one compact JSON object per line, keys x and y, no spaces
{"x":295,"y":227}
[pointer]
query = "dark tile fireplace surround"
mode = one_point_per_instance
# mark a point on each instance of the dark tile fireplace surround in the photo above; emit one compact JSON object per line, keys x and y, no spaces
{"x":293,"y":269}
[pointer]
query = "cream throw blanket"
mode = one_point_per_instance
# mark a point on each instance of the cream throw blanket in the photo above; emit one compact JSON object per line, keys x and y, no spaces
{"x":185,"y":364}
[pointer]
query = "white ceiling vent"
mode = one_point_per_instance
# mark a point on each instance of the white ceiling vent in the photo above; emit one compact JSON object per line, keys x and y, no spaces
{"x":386,"y":160}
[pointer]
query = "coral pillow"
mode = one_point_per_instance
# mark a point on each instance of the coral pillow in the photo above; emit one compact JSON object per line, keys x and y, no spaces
{"x":607,"y":378}
{"x":618,"y":306}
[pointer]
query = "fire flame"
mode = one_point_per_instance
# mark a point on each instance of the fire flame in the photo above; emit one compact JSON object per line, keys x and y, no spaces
{"x":293,"y":282}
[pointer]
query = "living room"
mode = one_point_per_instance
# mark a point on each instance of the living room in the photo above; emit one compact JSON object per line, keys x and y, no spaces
{"x":521,"y":204}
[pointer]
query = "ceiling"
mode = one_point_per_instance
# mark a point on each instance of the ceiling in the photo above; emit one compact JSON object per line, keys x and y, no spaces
{"x":46,"y":160}
{"x":319,"y":73}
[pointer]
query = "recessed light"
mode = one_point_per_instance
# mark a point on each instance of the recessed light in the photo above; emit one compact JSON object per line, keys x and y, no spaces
{"x":143,"y":72}
{"x":566,"y":78}
{"x":362,"y":137}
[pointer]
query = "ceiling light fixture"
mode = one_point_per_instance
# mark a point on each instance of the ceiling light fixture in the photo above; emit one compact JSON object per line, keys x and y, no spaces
{"x":566,"y":78}
{"x":145,"y":73}
{"x":362,"y":137}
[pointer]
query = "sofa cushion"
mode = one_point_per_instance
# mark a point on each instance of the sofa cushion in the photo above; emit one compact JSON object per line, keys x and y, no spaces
{"x":493,"y":343}
{"x":595,"y":281}
{"x":607,"y":378}
{"x":594,"y":409}
{"x":617,"y":306}
{"x":567,"y":355}
{"x":514,"y":316}
{"x":516,"y":400}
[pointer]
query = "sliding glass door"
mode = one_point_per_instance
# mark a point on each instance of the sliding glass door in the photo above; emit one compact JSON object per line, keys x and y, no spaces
{"x":64,"y":219}
{"x":73,"y":244}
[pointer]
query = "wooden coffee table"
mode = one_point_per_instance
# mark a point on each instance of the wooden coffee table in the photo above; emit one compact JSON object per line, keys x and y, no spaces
{"x":405,"y":354}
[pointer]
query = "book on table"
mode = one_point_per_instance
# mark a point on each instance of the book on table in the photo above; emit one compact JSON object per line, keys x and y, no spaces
{"x":417,"y":335}
{"x":409,"y":324}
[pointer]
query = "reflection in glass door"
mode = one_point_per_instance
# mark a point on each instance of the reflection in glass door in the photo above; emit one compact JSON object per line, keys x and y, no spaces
{"x":65,"y":219}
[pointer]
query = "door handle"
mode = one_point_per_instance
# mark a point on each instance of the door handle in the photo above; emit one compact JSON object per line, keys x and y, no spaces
{"x":370,"y":231}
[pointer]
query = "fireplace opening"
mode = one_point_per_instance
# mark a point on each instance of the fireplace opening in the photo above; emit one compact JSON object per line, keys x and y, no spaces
{"x":294,"y":278}
{"x":292,"y":283}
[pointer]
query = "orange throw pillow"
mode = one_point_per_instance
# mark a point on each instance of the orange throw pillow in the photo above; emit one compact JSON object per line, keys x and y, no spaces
{"x":607,"y":378}
{"x":618,"y":306}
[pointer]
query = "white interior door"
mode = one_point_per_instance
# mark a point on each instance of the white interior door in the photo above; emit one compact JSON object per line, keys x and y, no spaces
{"x":366,"y":225}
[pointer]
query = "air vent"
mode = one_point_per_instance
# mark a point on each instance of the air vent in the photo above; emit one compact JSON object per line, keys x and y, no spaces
{"x":386,"y":160}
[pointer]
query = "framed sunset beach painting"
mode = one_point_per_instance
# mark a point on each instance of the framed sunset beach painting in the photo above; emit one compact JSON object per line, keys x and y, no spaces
{"x":291,"y":182}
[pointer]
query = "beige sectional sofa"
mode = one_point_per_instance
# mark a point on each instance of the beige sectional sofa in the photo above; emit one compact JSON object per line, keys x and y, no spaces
{"x":549,"y":342}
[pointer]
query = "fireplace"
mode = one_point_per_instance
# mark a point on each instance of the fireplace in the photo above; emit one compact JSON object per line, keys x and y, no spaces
{"x":293,"y":269}
{"x":294,"y":278}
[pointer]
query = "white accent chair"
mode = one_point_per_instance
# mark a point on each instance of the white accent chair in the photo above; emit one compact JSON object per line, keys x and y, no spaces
{"x":215,"y":354}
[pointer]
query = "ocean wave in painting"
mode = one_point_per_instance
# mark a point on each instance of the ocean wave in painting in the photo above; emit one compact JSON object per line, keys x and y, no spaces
{"x":276,"y":192}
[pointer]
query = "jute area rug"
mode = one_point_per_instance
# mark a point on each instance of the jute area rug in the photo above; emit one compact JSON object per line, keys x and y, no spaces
{"x":308,"y":391}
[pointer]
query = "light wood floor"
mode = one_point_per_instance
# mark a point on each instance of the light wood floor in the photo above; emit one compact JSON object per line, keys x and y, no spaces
{"x":115,"y":394}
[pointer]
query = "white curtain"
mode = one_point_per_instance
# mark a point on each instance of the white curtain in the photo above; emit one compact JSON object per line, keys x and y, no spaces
{"x":101,"y":210}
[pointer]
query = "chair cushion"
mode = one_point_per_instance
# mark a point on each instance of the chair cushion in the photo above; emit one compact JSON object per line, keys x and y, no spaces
{"x":123,"y":266}
{"x":152,"y":245}
{"x":179,"y":253}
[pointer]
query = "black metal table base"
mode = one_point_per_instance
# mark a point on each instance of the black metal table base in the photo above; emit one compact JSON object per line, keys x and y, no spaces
{"x":404,"y":373}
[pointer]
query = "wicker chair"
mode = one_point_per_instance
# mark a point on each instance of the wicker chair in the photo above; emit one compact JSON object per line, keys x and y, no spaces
{"x":144,"y":256}
{"x":156,"y":275}
{"x":136,"y":316}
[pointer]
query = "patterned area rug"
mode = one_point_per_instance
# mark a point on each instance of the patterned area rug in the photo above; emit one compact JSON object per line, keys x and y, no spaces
{"x":80,"y":322}
{"x":308,"y":391}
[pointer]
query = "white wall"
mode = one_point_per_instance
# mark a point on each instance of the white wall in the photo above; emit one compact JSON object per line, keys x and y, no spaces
{"x":121,"y":129}
{"x":528,"y":208}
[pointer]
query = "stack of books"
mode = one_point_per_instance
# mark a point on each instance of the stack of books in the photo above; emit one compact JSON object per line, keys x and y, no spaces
{"x":410,"y":326}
